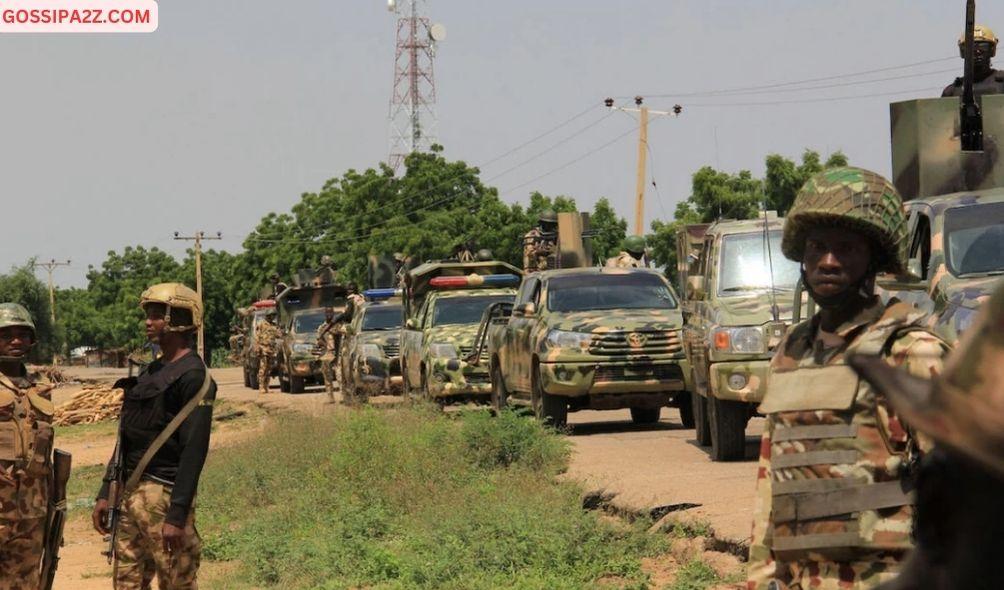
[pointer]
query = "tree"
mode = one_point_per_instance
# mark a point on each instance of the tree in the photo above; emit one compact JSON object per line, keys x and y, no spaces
{"x":21,"y":286}
{"x":609,"y":230}
{"x":784,"y":178}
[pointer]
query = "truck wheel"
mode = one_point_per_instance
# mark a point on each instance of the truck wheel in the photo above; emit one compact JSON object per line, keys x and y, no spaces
{"x":296,"y":384}
{"x":247,"y":378}
{"x":686,"y":409}
{"x":645,"y":415}
{"x":283,"y":384}
{"x":727,"y":420}
{"x":699,"y":407}
{"x":500,"y":395}
{"x":253,"y":378}
{"x":549,"y":409}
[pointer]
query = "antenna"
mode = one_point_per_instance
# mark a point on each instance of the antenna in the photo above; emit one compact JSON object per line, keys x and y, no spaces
{"x":412,"y":117}
{"x":774,"y":312}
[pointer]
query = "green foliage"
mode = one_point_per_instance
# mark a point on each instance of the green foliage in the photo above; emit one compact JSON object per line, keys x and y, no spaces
{"x":610,"y":230}
{"x":784,"y":178}
{"x":21,"y":285}
{"x":410,"y":499}
{"x":695,"y":575}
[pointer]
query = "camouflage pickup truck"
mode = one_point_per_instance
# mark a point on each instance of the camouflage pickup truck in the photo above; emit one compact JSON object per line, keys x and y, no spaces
{"x":371,"y":351}
{"x":589,"y":338}
{"x":735,"y":315}
{"x":251,"y":317}
{"x":443,"y":305}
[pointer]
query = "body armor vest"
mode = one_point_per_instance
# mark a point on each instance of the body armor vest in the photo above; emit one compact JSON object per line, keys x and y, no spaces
{"x":837,"y":474}
{"x":26,"y":435}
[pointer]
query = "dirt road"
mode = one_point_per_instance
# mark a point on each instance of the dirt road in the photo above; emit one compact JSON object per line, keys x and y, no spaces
{"x":655,"y":467}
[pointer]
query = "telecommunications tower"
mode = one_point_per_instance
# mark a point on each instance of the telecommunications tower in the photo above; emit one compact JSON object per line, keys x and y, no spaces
{"x":412,"y":113}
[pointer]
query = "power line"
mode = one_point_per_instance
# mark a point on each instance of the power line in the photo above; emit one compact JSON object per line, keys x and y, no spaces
{"x":842,"y":84}
{"x":552,"y":147}
{"x":541,"y":136}
{"x":807,"y":100}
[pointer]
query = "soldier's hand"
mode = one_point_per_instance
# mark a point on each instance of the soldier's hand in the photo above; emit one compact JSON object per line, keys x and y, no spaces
{"x":174,"y":537}
{"x":6,"y":478}
{"x":100,"y":516}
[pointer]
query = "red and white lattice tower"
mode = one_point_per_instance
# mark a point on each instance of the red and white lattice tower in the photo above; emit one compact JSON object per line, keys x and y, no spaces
{"x":412,"y":104}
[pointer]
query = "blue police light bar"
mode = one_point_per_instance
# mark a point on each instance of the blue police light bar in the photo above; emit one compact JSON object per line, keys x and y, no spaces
{"x":373,"y":294}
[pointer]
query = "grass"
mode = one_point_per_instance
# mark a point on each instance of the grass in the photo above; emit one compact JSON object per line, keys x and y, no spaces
{"x":83,"y":487}
{"x":106,"y":428}
{"x":695,"y":575}
{"x":408,"y":498}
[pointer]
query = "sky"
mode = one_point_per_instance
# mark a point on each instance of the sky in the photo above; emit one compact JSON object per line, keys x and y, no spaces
{"x":234,"y":109}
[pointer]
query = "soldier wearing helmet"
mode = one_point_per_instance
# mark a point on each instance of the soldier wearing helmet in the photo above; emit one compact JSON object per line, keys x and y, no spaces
{"x":266,"y":342}
{"x":328,"y":336}
{"x":986,"y":80}
{"x":164,"y":433}
{"x":25,"y":468}
{"x":832,"y":507}
{"x":541,"y":242}
{"x":484,"y":255}
{"x":632,"y":254}
{"x":961,"y":482}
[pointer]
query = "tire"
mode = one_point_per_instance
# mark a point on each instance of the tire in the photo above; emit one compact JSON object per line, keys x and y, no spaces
{"x":500,"y":395}
{"x":283,"y":384}
{"x":253,"y":379}
{"x":247,"y":378}
{"x":549,"y":409}
{"x":699,"y":408}
{"x":296,"y":384}
{"x":645,"y":415}
{"x":686,"y":409}
{"x":727,"y":421}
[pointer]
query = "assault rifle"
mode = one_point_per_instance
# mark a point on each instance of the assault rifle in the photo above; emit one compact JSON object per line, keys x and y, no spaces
{"x":55,"y":518}
{"x":113,"y":477}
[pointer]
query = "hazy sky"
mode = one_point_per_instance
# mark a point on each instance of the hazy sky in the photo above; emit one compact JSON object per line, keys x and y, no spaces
{"x":233,"y":109}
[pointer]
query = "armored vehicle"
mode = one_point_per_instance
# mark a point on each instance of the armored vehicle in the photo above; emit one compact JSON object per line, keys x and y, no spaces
{"x":589,"y":338}
{"x":251,"y":317}
{"x":370,"y":356}
{"x":735,"y":314}
{"x":443,"y":306}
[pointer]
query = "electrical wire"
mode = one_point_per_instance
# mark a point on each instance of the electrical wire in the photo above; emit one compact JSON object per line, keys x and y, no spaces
{"x":807,"y":100}
{"x":842,"y":84}
{"x":541,"y":136}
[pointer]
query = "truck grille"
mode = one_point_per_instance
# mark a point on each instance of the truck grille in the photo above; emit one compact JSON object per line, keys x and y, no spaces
{"x":636,"y":343}
{"x":638,"y":372}
{"x":392,"y":349}
{"x":466,"y":351}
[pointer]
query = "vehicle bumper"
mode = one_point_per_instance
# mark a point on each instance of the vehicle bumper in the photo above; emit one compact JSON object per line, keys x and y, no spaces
{"x":455,"y":377}
{"x":380,"y":375}
{"x":752,"y":373}
{"x":575,"y":379}
{"x":304,"y":366}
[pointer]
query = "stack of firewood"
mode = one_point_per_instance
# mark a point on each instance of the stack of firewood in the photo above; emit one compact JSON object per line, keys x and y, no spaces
{"x":95,"y":403}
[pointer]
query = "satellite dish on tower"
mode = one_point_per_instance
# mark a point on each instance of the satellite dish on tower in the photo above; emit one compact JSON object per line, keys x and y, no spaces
{"x":392,"y":5}
{"x":436,"y":31}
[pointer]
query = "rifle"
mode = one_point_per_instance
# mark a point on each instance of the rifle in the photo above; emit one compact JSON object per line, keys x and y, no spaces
{"x":113,"y":477}
{"x":970,"y":116}
{"x":55,"y":518}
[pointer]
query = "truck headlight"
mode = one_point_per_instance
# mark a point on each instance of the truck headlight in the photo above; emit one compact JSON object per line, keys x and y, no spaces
{"x":370,"y":350}
{"x":444,"y":350}
{"x":748,"y":339}
{"x":565,"y":339}
{"x":303,"y":348}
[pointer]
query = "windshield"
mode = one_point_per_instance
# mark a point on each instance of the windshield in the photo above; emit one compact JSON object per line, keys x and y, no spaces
{"x":975,"y":239}
{"x":639,"y":290}
{"x":464,"y":310}
{"x":308,"y":322}
{"x":745,"y":265}
{"x":382,"y":318}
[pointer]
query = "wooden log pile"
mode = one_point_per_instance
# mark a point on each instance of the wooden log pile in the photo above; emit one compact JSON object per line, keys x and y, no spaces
{"x":95,"y":403}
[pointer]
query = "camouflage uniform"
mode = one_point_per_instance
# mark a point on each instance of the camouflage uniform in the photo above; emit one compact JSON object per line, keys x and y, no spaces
{"x":536,"y":249}
{"x":327,"y":341}
{"x":26,"y":436}
{"x":265,"y":338}
{"x":625,"y":260}
{"x":139,"y":548}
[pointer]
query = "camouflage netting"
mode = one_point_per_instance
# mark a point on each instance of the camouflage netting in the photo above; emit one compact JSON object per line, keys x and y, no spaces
{"x":855,"y":199}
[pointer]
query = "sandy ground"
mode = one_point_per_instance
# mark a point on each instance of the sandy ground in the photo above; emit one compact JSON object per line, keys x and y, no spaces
{"x":644,"y":468}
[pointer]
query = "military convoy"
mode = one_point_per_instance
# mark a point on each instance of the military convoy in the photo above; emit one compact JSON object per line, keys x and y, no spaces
{"x":738,"y":301}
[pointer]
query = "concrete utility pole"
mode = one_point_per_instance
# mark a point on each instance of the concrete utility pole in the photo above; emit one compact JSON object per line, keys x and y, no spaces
{"x":49,"y":267}
{"x":644,"y":112}
{"x":198,"y":237}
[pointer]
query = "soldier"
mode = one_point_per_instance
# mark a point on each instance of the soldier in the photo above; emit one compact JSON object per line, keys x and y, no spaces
{"x":540,"y":242}
{"x":986,"y":80}
{"x":960,"y":484}
{"x":236,"y":342}
{"x":831,"y":511}
{"x":484,"y":255}
{"x":327,"y":342}
{"x":266,"y":337}
{"x":164,"y":429}
{"x":632,"y":254}
{"x":25,"y":467}
{"x":277,"y":285}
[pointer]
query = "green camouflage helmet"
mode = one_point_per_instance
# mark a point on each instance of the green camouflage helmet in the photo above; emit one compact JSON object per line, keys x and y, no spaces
{"x":484,"y":255}
{"x":548,"y":216}
{"x":855,"y":199}
{"x":634,"y":244}
{"x":13,"y":314}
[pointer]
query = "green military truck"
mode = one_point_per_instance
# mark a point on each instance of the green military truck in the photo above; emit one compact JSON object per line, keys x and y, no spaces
{"x":443,"y":306}
{"x":588,"y":338}
{"x":954,"y":199}
{"x":735,"y":314}
{"x":251,"y":317}
{"x":370,"y":355}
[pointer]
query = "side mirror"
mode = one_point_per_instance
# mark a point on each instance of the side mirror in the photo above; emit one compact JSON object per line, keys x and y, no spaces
{"x":695,"y":287}
{"x":411,"y":324}
{"x":524,"y":309}
{"x":911,"y":280}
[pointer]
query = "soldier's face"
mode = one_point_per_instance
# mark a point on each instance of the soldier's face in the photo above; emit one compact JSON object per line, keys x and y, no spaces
{"x":155,"y":321}
{"x":15,"y":341}
{"x":835,"y":260}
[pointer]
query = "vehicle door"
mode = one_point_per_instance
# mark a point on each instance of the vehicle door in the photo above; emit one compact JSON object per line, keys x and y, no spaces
{"x":518,"y":334}
{"x":697,"y":330}
{"x":919,"y":250}
{"x":411,"y":345}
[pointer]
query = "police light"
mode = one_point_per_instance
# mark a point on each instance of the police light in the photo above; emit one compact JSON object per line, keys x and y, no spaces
{"x":262,"y":304}
{"x":505,"y":280}
{"x":374,"y":294}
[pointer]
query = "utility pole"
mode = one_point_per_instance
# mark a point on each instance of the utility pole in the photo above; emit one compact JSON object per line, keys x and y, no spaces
{"x":49,"y":267}
{"x":197,"y":238}
{"x":643,"y":112}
